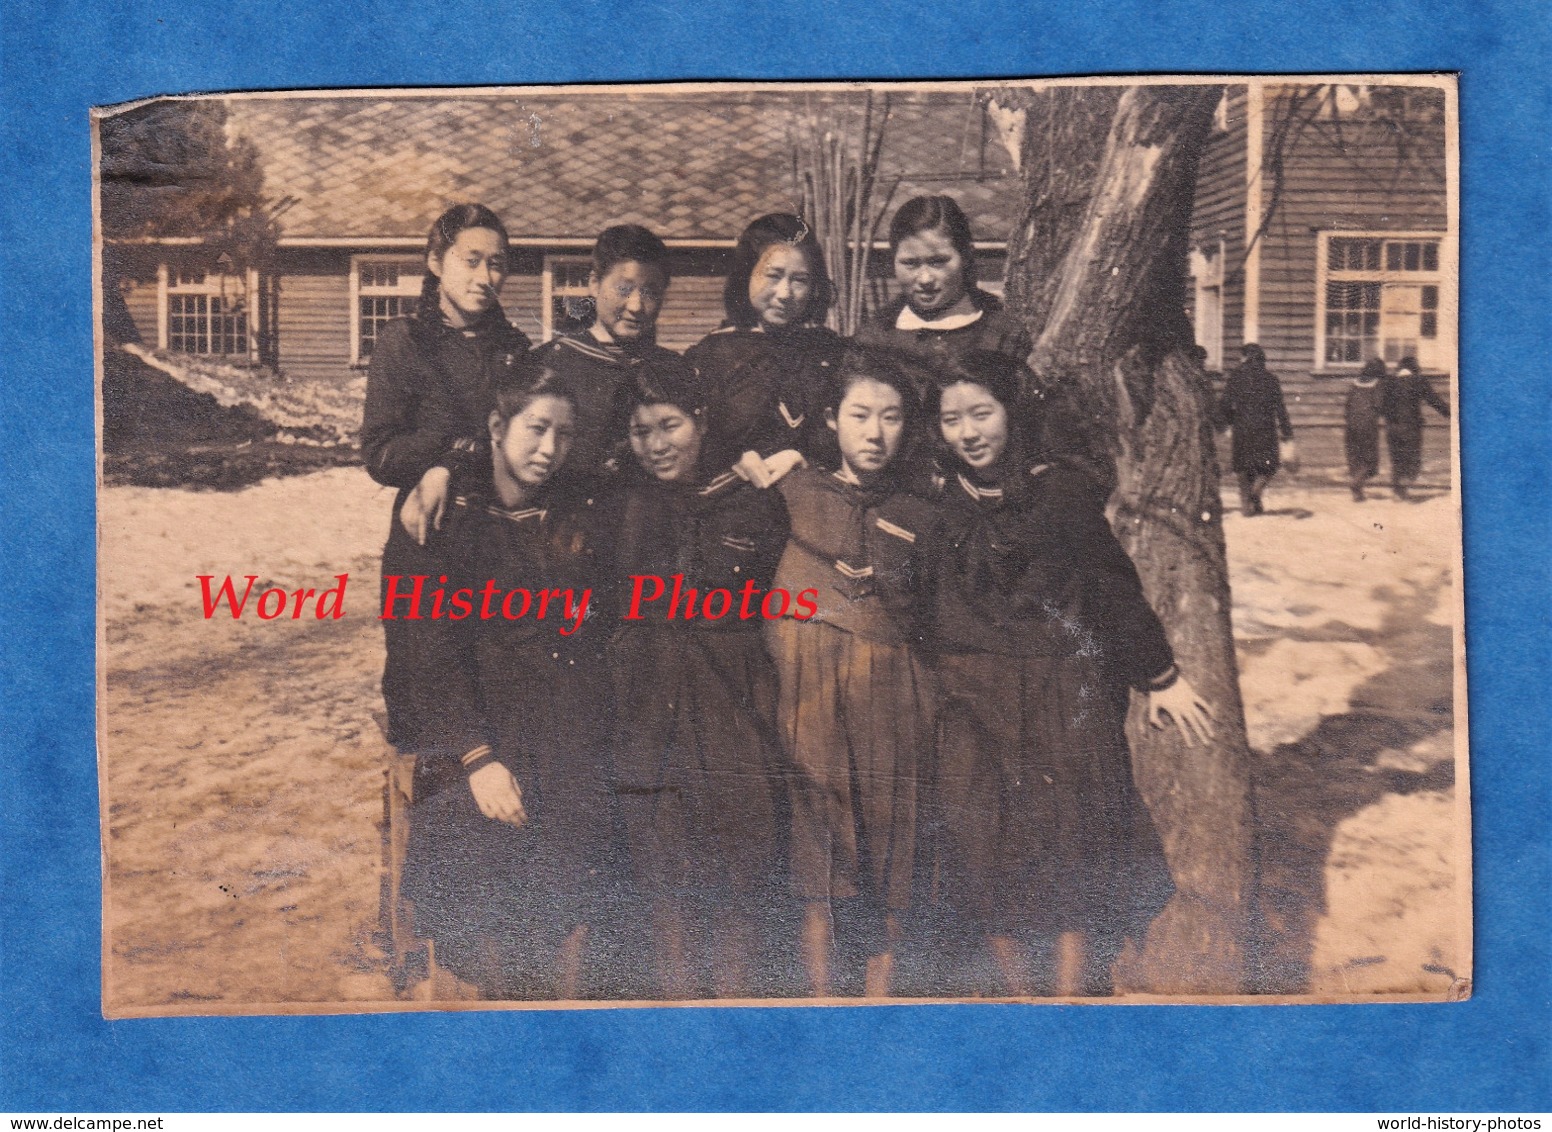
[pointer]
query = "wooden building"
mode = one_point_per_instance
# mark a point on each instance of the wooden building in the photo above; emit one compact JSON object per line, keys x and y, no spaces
{"x":1321,"y":226}
{"x":1322,"y":230}
{"x":365,"y":176}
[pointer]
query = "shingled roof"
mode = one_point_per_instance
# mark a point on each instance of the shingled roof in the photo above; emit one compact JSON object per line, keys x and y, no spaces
{"x":561,"y":166}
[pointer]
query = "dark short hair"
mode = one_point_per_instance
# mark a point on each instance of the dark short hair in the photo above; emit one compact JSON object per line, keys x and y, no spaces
{"x":520,"y":380}
{"x":1255,"y":353}
{"x":1007,"y":379}
{"x":444,"y":233}
{"x":626,"y":242}
{"x":664,"y":378}
{"x":940,"y":214}
{"x":766,"y":232}
{"x":858,"y":363}
{"x":1408,"y":363}
{"x":1374,"y":367}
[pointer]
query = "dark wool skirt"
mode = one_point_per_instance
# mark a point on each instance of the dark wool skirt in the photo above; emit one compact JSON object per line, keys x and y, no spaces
{"x":1363,"y":452}
{"x":855,"y":719}
{"x":498,"y":900}
{"x":1406,"y":450}
{"x":1040,"y":827}
{"x":699,"y":776}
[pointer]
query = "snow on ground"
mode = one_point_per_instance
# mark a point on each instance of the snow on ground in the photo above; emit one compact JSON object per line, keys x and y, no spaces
{"x":242,"y":762}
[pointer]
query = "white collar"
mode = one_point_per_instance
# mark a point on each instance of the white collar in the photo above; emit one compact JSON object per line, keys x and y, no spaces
{"x":910,"y":320}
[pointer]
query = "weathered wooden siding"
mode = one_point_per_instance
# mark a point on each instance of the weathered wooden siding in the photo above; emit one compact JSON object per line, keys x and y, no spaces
{"x":1346,"y":174}
{"x":133,"y":271}
{"x":1349,"y":174}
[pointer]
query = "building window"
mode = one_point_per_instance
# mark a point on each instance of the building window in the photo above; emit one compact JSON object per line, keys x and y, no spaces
{"x":381,"y":290}
{"x":1380,"y":299}
{"x":205,"y":312}
{"x":568,"y":305}
{"x":1207,"y":301}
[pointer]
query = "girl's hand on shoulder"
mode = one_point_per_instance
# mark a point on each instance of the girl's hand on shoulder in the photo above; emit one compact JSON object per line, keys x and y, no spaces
{"x":751,"y":466}
{"x":424,"y":507}
{"x":1191,"y":713}
{"x":787,"y":460}
{"x":497,"y":794}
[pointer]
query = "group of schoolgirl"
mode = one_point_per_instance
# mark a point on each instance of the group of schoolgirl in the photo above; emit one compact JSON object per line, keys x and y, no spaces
{"x":927,"y":776}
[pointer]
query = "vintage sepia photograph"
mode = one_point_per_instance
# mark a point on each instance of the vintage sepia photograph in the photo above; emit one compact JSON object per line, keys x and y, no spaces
{"x":770,"y":544}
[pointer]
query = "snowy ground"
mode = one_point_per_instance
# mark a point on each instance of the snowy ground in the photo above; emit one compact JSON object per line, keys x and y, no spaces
{"x":241,"y":758}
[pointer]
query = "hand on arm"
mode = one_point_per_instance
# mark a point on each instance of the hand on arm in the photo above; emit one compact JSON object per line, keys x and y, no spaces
{"x":751,"y":466}
{"x":779,"y":464}
{"x":424,"y":507}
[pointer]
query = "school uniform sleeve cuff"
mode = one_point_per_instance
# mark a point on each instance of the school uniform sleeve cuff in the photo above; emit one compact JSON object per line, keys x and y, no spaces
{"x":463,"y":455}
{"x":1164,"y":680}
{"x":475,"y":759}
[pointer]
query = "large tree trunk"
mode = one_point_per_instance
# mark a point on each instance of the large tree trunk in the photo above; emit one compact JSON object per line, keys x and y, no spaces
{"x":1098,"y":270}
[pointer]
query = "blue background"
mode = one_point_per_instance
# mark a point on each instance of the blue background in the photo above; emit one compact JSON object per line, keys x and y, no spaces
{"x":56,"y":1051}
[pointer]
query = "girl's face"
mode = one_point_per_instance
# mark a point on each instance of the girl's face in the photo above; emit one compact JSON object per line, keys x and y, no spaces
{"x":531,"y":446}
{"x":869,"y":425}
{"x":781,"y":286}
{"x":666,"y":441}
{"x":628,"y":299}
{"x":930,"y":271}
{"x":471,"y":273}
{"x":974,"y":424}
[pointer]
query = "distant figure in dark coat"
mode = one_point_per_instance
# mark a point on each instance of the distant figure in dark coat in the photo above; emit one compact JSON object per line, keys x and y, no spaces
{"x":1362,"y":426}
{"x":1402,"y":397}
{"x":1252,"y":406}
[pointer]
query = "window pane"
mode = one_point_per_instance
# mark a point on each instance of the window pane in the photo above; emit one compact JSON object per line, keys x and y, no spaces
{"x":1392,"y":257}
{"x":1414,"y":257}
{"x":1430,"y":298}
{"x":1429,"y":324}
{"x":1430,"y":257}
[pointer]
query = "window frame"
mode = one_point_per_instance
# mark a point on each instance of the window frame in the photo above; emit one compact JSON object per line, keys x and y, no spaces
{"x":417,"y":264}
{"x":547,"y":289}
{"x":209,"y":286}
{"x":1443,"y":277}
{"x":1207,"y":273}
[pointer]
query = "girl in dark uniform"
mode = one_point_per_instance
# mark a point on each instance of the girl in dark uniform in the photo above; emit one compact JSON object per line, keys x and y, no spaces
{"x":1402,"y":396}
{"x":510,"y":828}
{"x":627,"y":286}
{"x":941,"y":315}
{"x":1041,"y":629}
{"x":429,"y":394}
{"x":1361,"y":426}
{"x":697,"y":766}
{"x":855,"y":705}
{"x":766,"y":369}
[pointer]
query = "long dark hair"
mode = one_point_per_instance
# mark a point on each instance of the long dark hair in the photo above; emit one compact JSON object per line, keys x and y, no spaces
{"x":766,"y":232}
{"x":940,"y":214}
{"x":444,"y":233}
